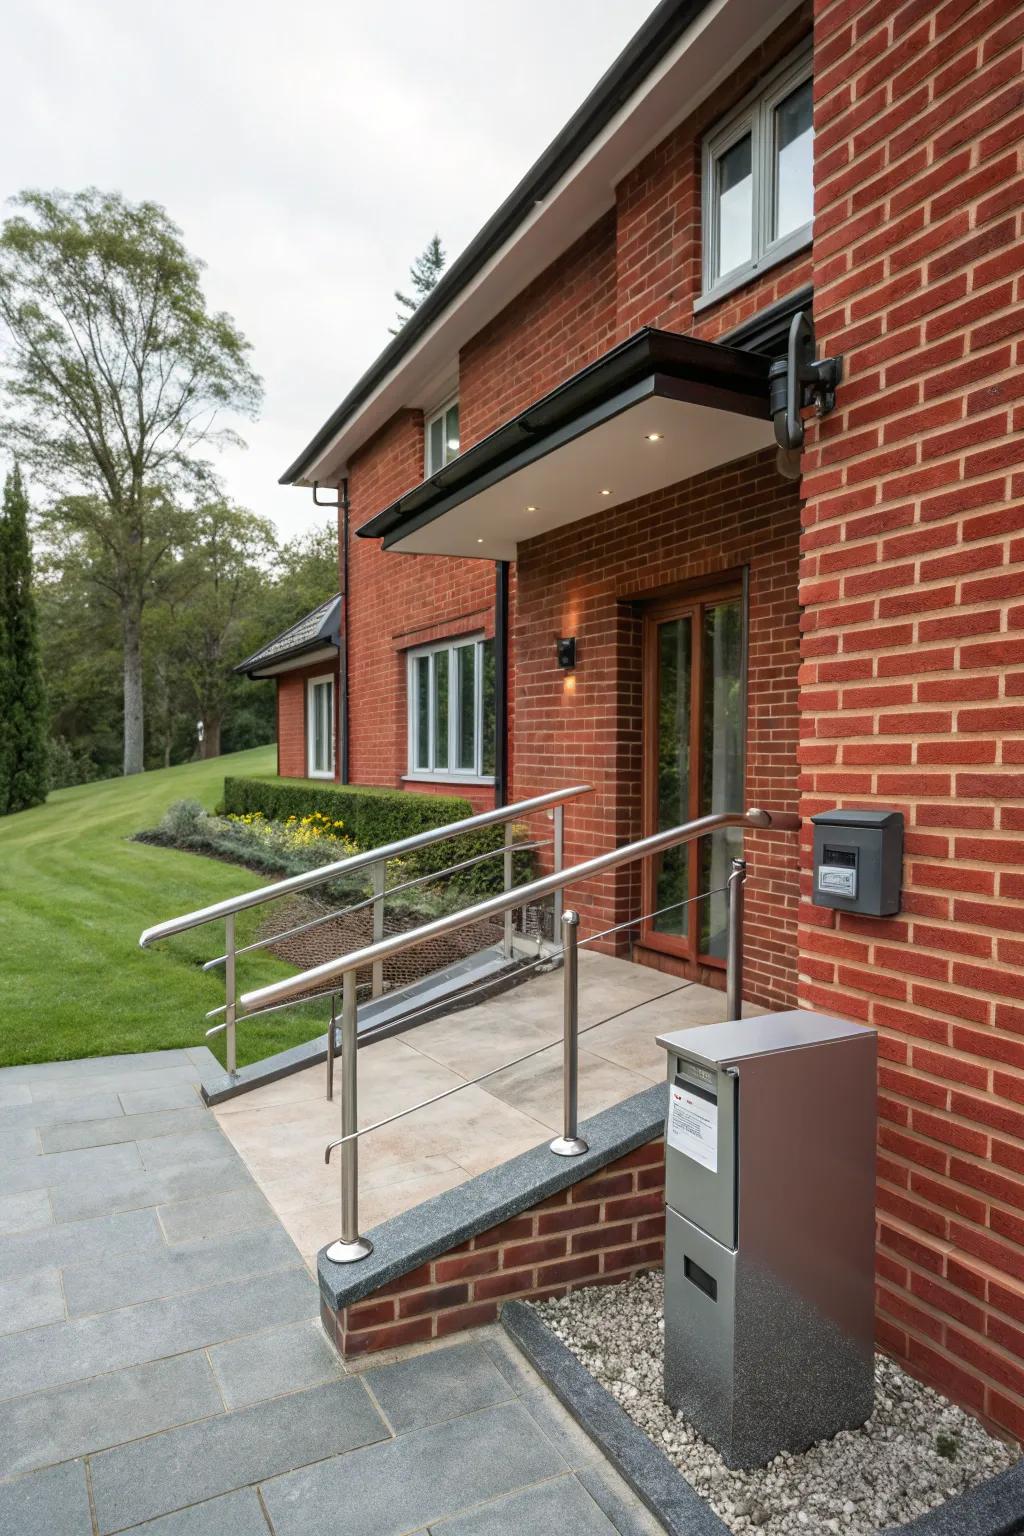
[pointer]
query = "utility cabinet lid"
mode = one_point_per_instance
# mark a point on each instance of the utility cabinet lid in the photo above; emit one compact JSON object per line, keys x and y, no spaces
{"x":737,"y":1039}
{"x":875,"y":819}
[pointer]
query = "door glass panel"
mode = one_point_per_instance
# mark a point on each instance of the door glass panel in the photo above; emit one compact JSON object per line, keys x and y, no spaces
{"x":721,"y":767}
{"x":735,"y":199}
{"x":675,"y":651}
{"x":421,"y":717}
{"x":794,"y":173}
{"x":441,"y":709}
{"x":466,"y":655}
{"x":451,"y":432}
{"x":436,"y":453}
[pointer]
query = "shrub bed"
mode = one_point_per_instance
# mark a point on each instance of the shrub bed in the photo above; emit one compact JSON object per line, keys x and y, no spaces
{"x":372,"y":817}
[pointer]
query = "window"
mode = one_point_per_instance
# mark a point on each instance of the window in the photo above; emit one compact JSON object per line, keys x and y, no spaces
{"x":320,"y":728}
{"x":451,"y":710}
{"x":759,"y":181}
{"x":442,"y":437}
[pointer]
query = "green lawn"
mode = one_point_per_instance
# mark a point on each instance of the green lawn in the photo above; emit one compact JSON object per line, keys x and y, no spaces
{"x":75,"y":894}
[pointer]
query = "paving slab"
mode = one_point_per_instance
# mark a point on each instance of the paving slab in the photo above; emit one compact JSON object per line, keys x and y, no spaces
{"x":69,"y":1169}
{"x":122,"y":1279}
{"x":140,"y":1481}
{"x":40,"y":1112}
{"x":144,"y":1187}
{"x":54,"y":1426}
{"x":30,"y":1300}
{"x":139,"y":1101}
{"x":114,"y":1082}
{"x":132,"y":1062}
{"x":84,"y":1347}
{"x":266,"y":1365}
{"x":54,"y":1502}
{"x":562,"y":1505}
{"x":25,"y":1212}
{"x":122,"y":1127}
{"x":416,"y":1479}
{"x":203,"y":1145}
{"x":14,"y":1093}
{"x":70,"y":1242}
{"x":240,"y":1210}
{"x":233,"y":1514}
{"x":444,"y":1384}
{"x":18,"y":1142}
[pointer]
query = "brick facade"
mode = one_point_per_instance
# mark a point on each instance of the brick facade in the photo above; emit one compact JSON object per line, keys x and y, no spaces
{"x":899,"y":658}
{"x":912,"y":686}
{"x":604,"y":1229}
{"x":292,"y":759}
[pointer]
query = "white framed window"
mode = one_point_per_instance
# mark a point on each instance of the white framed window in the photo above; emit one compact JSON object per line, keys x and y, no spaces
{"x":758,"y":180}
{"x":441,"y":437}
{"x":320,"y":727}
{"x":452,"y":710}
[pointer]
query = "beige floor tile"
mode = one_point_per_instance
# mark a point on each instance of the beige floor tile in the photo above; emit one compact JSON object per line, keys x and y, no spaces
{"x":536,"y":1086}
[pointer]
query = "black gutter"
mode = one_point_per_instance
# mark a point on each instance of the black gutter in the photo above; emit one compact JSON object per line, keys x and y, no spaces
{"x":501,"y":651}
{"x":648,"y":362}
{"x":343,"y":618}
{"x":645,"y":49}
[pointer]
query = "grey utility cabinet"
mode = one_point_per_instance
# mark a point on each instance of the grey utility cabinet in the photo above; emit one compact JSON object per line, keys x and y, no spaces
{"x":769,"y":1243}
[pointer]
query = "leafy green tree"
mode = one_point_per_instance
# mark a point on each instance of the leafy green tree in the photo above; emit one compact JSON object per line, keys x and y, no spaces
{"x":23,"y":733}
{"x":117,"y":377}
{"x":424,"y":275}
{"x":208,"y":614}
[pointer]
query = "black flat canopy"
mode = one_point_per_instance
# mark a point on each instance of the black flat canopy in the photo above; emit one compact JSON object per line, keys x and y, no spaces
{"x":653,"y":410}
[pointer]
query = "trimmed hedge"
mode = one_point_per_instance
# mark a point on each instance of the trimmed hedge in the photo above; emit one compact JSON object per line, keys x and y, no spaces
{"x":375,"y":816}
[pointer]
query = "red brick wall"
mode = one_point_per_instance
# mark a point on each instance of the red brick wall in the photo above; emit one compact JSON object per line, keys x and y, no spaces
{"x":604,"y":1229}
{"x":397,"y":602}
{"x":589,"y":580}
{"x":292,"y":756}
{"x":913,"y":675}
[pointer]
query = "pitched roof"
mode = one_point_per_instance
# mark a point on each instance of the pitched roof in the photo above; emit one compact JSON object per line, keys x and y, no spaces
{"x":310,"y":633}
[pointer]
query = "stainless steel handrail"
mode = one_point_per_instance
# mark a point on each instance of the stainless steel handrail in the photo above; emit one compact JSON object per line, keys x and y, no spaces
{"x":520,"y":896}
{"x":357,"y":861}
{"x":376,"y":860}
{"x":352,"y":1246}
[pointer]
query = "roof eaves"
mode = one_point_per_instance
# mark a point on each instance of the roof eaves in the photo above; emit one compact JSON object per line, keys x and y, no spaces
{"x":642,"y":53}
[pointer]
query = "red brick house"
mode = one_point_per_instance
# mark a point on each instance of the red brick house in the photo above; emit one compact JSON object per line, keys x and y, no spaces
{"x":838,"y":625}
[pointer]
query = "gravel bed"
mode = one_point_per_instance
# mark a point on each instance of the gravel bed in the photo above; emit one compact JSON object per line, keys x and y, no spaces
{"x":915,"y":1452}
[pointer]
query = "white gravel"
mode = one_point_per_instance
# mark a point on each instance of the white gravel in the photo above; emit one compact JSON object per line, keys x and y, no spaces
{"x":861,"y":1482}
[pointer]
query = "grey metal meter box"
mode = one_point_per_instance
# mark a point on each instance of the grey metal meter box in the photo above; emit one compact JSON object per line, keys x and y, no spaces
{"x":769,"y":1231}
{"x":858,"y":861}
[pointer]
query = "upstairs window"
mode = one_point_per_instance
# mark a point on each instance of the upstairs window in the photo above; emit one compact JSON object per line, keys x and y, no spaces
{"x":451,"y":710}
{"x":442,"y":437}
{"x":758,"y":181}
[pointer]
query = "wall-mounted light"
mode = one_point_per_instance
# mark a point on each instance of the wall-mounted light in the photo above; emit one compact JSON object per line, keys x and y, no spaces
{"x":567,"y":651}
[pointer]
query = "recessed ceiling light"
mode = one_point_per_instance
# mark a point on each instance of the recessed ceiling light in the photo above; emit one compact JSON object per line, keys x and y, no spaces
{"x":606,"y":493}
{"x":479,"y":541}
{"x":531,"y":509}
{"x":654,"y":437}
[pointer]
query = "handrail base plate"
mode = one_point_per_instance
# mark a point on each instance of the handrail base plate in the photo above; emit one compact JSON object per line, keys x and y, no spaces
{"x":349,"y":1253}
{"x":569,"y":1146}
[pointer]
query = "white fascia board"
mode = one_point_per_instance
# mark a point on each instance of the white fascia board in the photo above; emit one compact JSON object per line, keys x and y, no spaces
{"x":707,"y":52}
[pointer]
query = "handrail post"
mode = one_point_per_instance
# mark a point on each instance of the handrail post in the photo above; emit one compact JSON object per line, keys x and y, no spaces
{"x":734,"y":953}
{"x":230,"y":1054}
{"x":332,"y":1041}
{"x":570,"y":1144}
{"x":379,"y":873}
{"x":350,"y":1246}
{"x":507,"y":886}
{"x":558,"y":855}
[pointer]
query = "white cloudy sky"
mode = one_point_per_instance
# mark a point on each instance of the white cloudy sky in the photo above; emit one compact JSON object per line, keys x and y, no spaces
{"x":307,"y":148}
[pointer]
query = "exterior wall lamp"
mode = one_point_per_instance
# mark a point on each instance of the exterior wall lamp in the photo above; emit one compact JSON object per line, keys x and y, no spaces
{"x":795,"y":382}
{"x":566,"y":652}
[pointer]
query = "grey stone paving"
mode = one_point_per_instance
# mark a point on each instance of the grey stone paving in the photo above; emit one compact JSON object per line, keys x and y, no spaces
{"x":162,"y":1367}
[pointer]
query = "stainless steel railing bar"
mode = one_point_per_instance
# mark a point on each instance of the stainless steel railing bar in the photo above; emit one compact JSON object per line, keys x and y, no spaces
{"x":520,"y":896}
{"x":516,"y":1060}
{"x":310,"y":878}
{"x":368,"y":901}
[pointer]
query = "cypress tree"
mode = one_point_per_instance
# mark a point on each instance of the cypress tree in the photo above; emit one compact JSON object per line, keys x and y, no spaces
{"x":23,"y":728}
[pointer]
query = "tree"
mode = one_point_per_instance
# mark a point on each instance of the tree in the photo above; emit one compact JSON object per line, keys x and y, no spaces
{"x":424,"y":275}
{"x":218,"y":579}
{"x":117,"y":376}
{"x":23,"y":732}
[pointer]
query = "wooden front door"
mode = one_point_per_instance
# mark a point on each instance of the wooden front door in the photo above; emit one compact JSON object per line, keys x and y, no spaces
{"x":694,"y":730}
